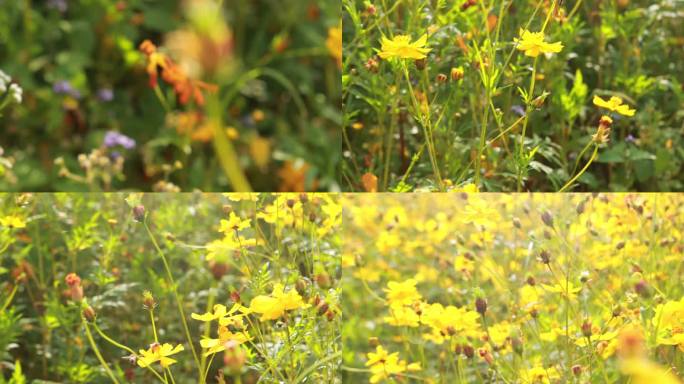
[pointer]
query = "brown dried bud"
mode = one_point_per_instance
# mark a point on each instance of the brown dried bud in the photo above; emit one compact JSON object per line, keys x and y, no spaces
{"x":516,"y":223}
{"x":576,"y":369}
{"x":545,"y":256}
{"x":421,"y":64}
{"x":586,"y":328}
{"x":373,"y":341}
{"x":469,"y":351}
{"x":547,"y":219}
{"x":481,"y":306}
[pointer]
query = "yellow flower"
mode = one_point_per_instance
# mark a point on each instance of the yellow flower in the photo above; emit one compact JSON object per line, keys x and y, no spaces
{"x":533,"y":44}
{"x":160,"y":353}
{"x":383,"y":365}
{"x":234,"y":223}
{"x":12,"y":221}
{"x":614,"y":105}
{"x":539,"y":375}
{"x":221,"y":313}
{"x":669,"y":321}
{"x":402,"y":293}
{"x":402,"y":47}
{"x":225,"y":336}
{"x":274,"y":306}
{"x":334,"y":43}
{"x":402,"y":316}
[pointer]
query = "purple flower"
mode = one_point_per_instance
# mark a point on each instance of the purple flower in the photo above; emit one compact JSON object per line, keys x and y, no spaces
{"x":63,"y":87}
{"x":113,"y":138}
{"x":518,"y":110}
{"x":105,"y":94}
{"x":630,"y":139}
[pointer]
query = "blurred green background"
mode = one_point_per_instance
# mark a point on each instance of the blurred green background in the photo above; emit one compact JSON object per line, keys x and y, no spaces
{"x":275,"y":65}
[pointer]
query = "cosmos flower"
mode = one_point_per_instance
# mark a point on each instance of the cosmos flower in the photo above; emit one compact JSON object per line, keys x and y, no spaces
{"x":533,"y":44}
{"x":401,"y":47}
{"x":403,"y":293}
{"x":274,"y":306}
{"x":614,"y":105}
{"x":160,"y":353}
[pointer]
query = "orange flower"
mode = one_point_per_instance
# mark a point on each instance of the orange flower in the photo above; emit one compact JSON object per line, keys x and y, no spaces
{"x":154,"y":60}
{"x":186,"y":89}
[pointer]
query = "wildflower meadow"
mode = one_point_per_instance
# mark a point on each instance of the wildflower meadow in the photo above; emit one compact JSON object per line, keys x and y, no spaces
{"x":513,"y":288}
{"x":501,"y":95}
{"x":170,"y":96}
{"x":169,"y":288}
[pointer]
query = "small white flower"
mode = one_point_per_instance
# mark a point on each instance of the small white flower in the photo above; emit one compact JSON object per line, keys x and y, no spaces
{"x":16,"y":92}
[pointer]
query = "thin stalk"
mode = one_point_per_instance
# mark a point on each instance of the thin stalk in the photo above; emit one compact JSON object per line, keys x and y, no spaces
{"x":591,"y":160}
{"x":127,"y":349}
{"x":175,"y":293}
{"x":426,"y":129}
{"x":9,"y":299}
{"x":98,"y":354}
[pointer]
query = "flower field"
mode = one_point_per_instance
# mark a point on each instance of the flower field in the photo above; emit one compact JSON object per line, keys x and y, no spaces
{"x":499,"y":95}
{"x":513,"y":288}
{"x":182,"y":288}
{"x":169,"y":96}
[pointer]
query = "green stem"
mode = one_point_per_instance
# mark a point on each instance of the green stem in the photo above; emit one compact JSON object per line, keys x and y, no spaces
{"x":9,"y":299}
{"x":569,"y":183}
{"x":98,"y":354}
{"x":176,"y":295}
{"x":426,"y":129}
{"x":129,"y":350}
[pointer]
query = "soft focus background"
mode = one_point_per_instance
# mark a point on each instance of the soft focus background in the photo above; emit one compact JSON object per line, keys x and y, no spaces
{"x":247,"y":96}
{"x":513,"y":288}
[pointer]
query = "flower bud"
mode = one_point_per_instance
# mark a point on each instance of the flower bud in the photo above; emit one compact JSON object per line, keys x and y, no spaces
{"x":481,"y":306}
{"x":469,"y":351}
{"x":586,"y":328}
{"x":547,"y":219}
{"x":89,"y":313}
{"x":441,"y":78}
{"x":149,"y":303}
{"x":373,"y":341}
{"x":139,"y":213}
{"x":457,"y":74}
{"x":516,"y":222}
{"x":576,"y":369}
